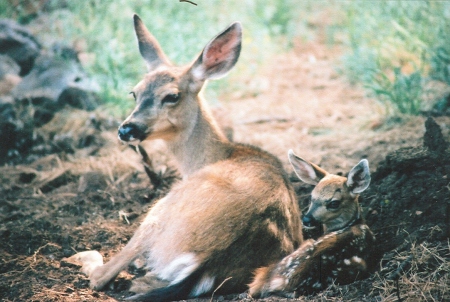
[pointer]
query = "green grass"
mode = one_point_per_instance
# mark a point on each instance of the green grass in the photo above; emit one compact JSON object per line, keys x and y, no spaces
{"x":396,"y":48}
{"x":402,"y":94}
{"x":182,"y":29}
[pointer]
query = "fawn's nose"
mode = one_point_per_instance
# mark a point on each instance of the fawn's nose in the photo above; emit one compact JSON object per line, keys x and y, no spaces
{"x":128,"y":132}
{"x":309,"y":221}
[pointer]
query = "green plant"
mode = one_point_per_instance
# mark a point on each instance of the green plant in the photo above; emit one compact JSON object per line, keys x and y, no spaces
{"x":403,"y":93}
{"x":440,"y":52}
{"x":388,"y":40}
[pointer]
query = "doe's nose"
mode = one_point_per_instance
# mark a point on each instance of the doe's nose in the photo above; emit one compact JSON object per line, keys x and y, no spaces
{"x":129,"y":132}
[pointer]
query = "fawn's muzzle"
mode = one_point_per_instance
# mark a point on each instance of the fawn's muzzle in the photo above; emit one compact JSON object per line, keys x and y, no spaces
{"x":309,"y":222}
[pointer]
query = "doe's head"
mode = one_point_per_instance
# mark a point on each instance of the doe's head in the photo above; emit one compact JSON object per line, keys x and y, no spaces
{"x":334,"y":199}
{"x":167,"y":98}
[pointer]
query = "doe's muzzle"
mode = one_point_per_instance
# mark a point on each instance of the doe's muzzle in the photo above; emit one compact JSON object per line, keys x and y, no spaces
{"x":129,"y":132}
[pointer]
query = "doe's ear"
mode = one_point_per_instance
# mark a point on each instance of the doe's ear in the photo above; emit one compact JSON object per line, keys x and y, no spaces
{"x":359,"y":177}
{"x":219,"y":55}
{"x":306,"y":171}
{"x":149,"y":47}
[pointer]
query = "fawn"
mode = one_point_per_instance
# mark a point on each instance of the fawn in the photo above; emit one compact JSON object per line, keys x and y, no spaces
{"x":341,"y":254}
{"x":235,"y":209}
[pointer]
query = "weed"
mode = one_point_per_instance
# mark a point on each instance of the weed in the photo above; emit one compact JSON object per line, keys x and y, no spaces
{"x":403,"y":93}
{"x":388,"y":40}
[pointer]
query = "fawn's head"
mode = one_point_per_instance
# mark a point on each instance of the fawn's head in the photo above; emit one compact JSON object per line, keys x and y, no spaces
{"x":334,"y":200}
{"x":167,"y":99}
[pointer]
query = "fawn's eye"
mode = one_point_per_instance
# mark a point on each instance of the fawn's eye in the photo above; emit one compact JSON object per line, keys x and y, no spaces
{"x":133,"y":94}
{"x":170,"y":99}
{"x":334,"y":204}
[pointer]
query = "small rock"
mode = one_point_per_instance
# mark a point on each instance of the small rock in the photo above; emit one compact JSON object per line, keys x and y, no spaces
{"x":17,"y":42}
{"x":78,"y":98}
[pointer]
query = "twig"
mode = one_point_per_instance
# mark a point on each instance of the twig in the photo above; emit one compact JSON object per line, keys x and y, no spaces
{"x":220,"y":285}
{"x":155,"y":179}
{"x":264,"y":120}
{"x":189,"y":2}
{"x":39,"y":249}
{"x":398,"y":291}
{"x":56,"y":292}
{"x":401,"y":268}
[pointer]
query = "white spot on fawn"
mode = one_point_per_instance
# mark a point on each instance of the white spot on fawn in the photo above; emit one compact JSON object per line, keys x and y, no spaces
{"x":289,"y":260}
{"x":356,"y":259}
{"x":278,"y":284}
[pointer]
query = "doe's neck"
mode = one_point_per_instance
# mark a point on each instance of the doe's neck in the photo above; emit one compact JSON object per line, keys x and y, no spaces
{"x":201,"y":144}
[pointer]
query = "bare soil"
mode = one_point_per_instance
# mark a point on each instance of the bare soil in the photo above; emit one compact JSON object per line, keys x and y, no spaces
{"x":93,"y":195}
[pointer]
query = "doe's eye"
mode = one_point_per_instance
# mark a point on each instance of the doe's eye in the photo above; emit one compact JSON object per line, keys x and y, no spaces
{"x":170,"y":99}
{"x":334,"y":204}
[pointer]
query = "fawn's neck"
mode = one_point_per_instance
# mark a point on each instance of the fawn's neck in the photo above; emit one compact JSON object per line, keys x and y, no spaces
{"x":357,"y":219}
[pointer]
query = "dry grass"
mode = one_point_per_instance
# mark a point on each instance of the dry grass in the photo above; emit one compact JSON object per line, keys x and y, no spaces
{"x":423,"y":275}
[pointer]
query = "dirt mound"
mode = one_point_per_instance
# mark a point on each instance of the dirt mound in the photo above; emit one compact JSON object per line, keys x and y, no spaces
{"x":410,"y":194}
{"x":408,"y":208}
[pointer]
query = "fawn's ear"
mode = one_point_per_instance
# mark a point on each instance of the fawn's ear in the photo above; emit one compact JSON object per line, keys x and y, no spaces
{"x":306,"y":171}
{"x":219,"y":55}
{"x":149,"y":46}
{"x":359,"y":177}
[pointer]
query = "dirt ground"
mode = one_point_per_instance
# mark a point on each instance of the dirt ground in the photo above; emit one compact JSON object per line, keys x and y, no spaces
{"x":93,"y":195}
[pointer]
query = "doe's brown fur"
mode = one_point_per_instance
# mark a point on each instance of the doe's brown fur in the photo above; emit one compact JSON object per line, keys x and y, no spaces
{"x":234,"y":210}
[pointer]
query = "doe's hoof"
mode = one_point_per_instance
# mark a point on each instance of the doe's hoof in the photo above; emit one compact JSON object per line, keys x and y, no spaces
{"x":88,"y":260}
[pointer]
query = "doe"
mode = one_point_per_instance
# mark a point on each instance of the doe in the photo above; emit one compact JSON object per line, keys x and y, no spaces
{"x":235,"y":209}
{"x":342,"y":254}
